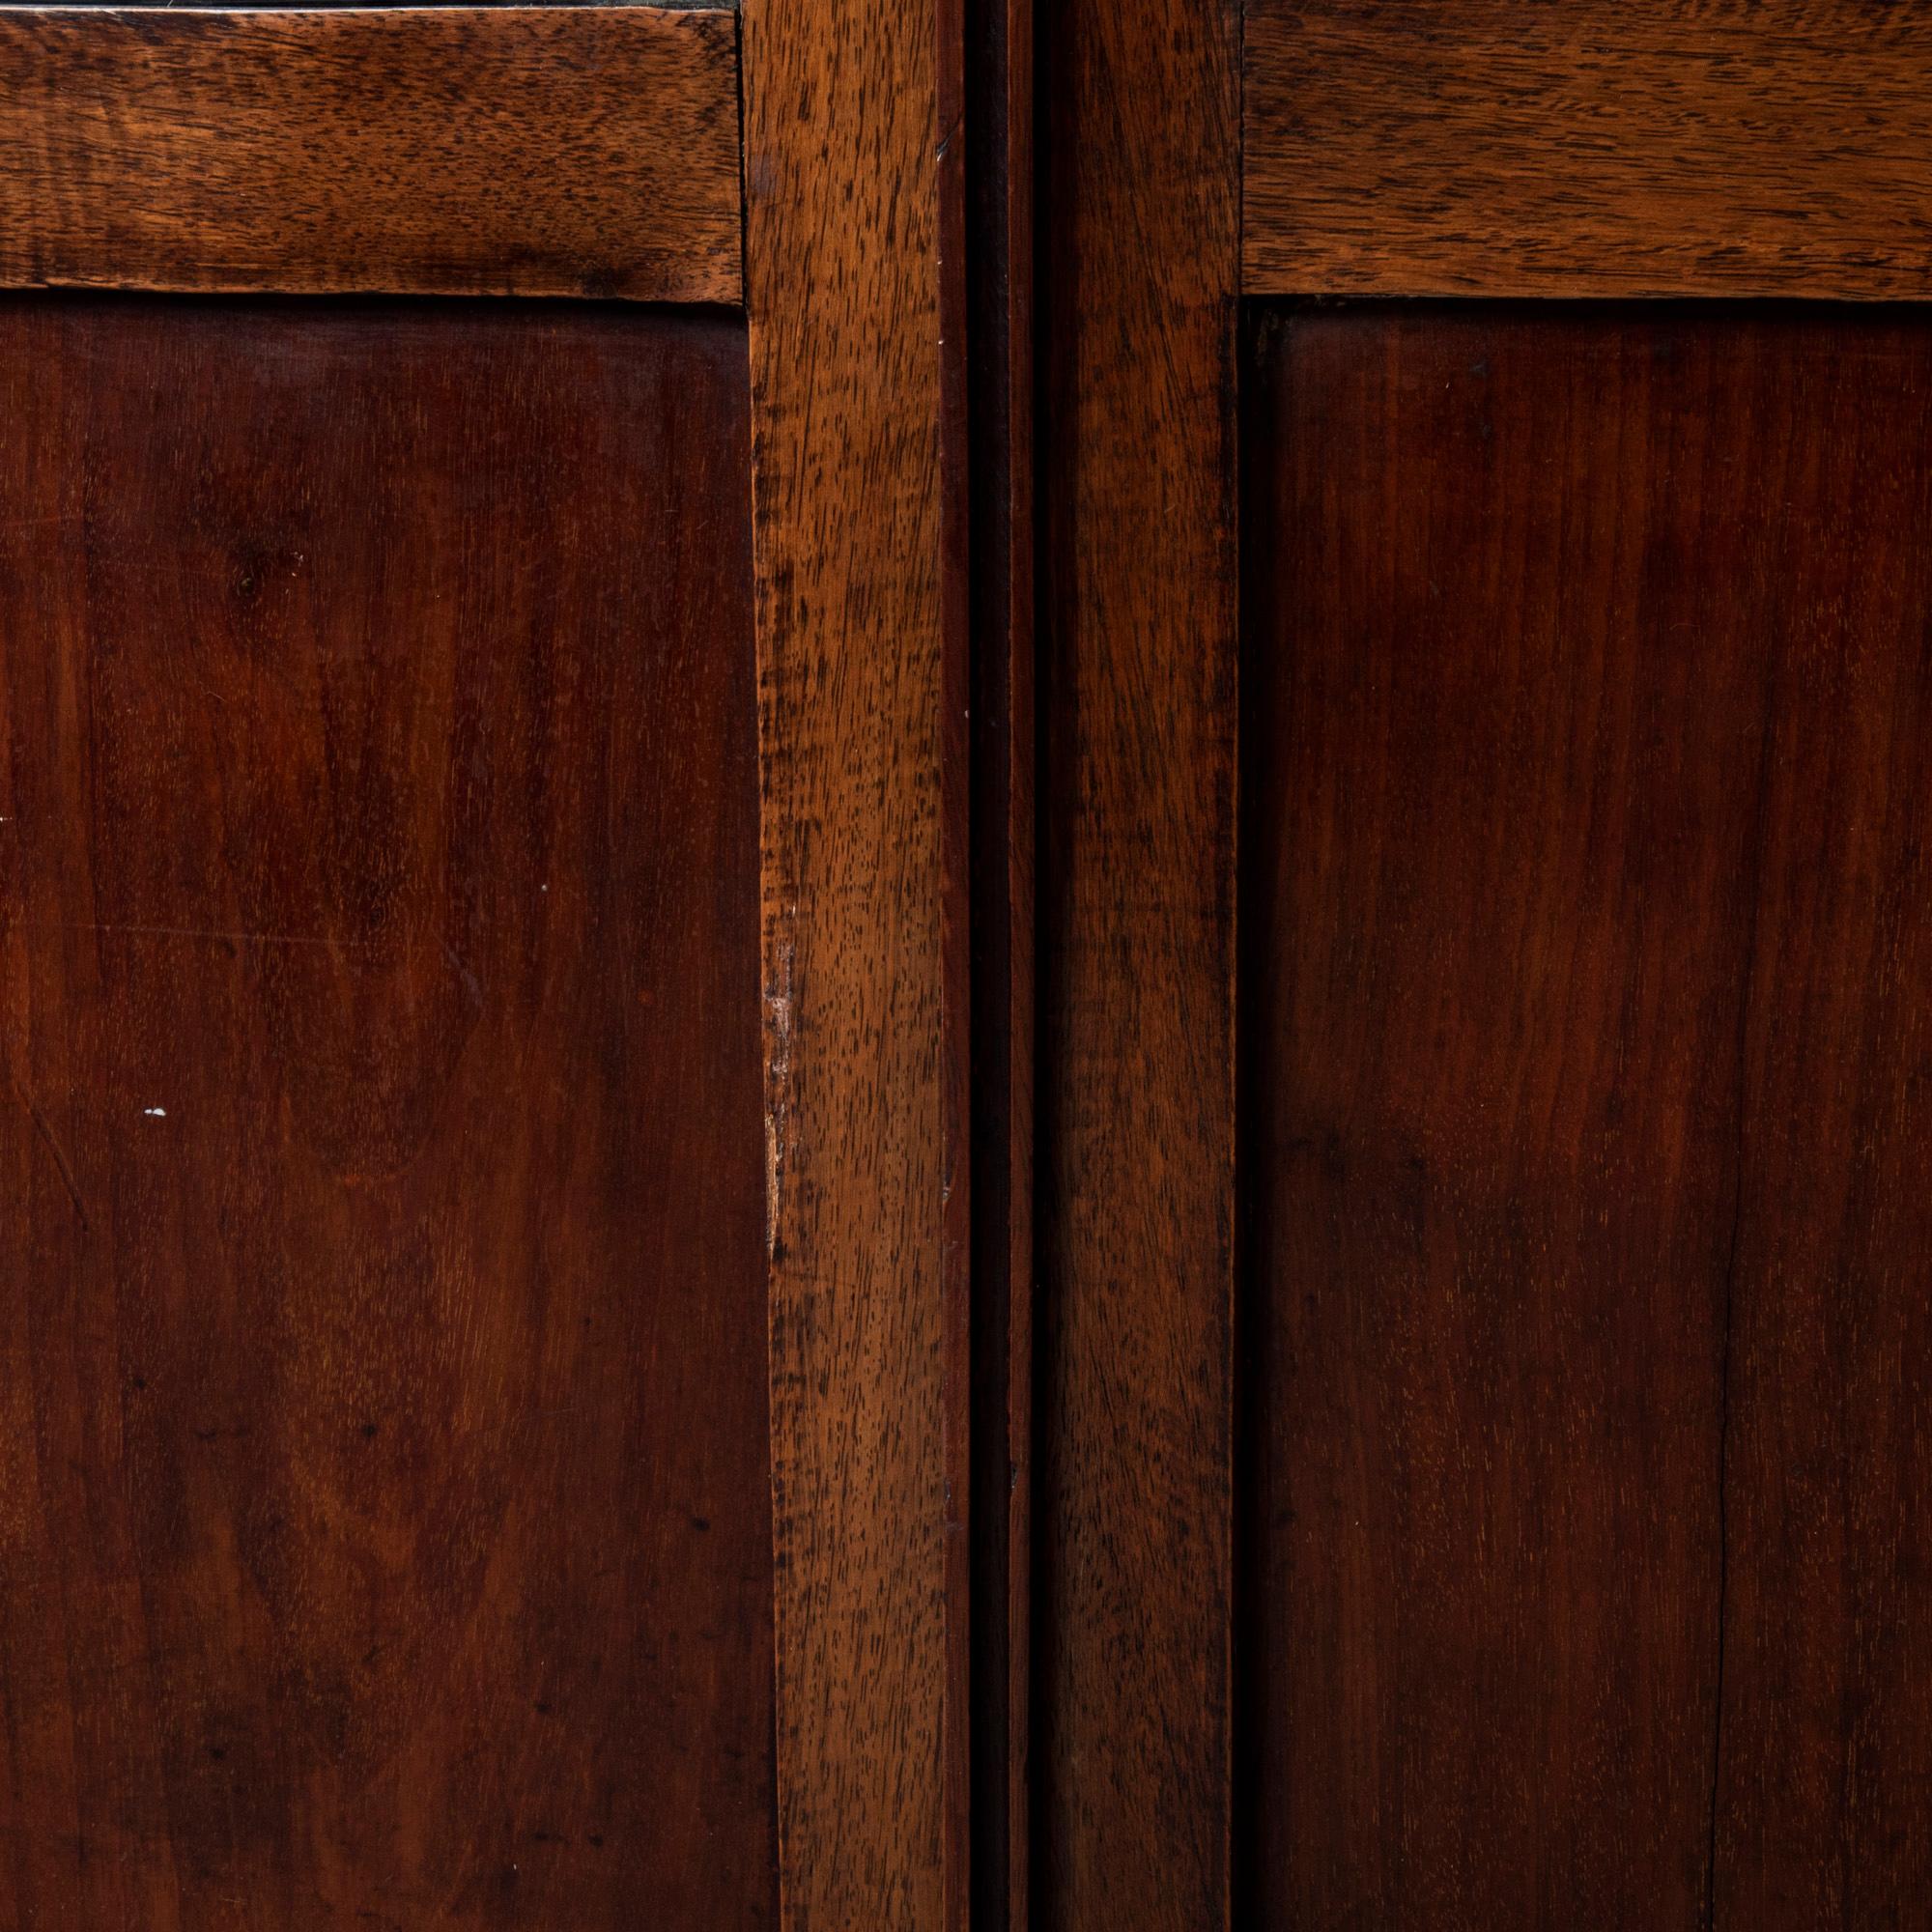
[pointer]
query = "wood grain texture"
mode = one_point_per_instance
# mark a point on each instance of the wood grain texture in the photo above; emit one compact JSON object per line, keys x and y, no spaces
{"x":1827,"y":1734}
{"x":1509,"y":705}
{"x":1700,"y":147}
{"x":312,"y":5}
{"x":560,"y":151}
{"x":857,"y":634}
{"x":254,"y":6}
{"x":1140,"y":186}
{"x":1585,"y":975}
{"x":384,"y":1521}
{"x":956,"y":258}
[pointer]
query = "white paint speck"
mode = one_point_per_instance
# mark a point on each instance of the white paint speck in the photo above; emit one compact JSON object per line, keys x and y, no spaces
{"x":156,"y":1113}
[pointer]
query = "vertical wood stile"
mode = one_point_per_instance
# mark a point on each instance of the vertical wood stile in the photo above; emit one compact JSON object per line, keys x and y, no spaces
{"x":1141,"y":193}
{"x":859,"y":635}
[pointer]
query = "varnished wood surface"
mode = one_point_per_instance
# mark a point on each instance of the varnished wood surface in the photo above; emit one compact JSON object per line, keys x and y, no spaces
{"x":1827,"y":1733}
{"x":1497,"y":887}
{"x":1584,"y":979}
{"x":315,"y":6}
{"x":384,"y":1521}
{"x":253,"y":6}
{"x":1139,"y":211}
{"x":958,"y":261}
{"x":1696,"y":147}
{"x":250,"y":7}
{"x":564,"y":151}
{"x":858,"y":684}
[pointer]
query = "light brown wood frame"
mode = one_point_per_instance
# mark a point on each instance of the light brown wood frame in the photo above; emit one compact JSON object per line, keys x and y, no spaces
{"x":894,"y":546}
{"x":597,"y":152}
{"x":1194,"y":155}
{"x":1476,"y":148}
{"x":849,"y":109}
{"x":532,"y":151}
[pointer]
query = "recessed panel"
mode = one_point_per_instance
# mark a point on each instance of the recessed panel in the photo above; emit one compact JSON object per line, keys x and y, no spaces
{"x":384,"y":1533}
{"x":1585,"y":1006}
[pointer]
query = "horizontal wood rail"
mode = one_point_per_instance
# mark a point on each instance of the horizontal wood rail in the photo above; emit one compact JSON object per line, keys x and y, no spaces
{"x":534,"y":150}
{"x":1485,"y":146}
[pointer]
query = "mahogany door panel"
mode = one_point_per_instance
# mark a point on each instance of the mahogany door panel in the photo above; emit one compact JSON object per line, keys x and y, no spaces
{"x":501,"y":798}
{"x":1480,"y":965}
{"x":1582,"y":1551}
{"x":518,"y":935}
{"x":384,"y":1528}
{"x":1825,"y":1766}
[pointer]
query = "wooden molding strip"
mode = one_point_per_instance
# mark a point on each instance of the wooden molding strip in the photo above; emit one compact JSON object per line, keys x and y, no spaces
{"x":1593,"y":148}
{"x":1139,"y":648}
{"x":859,"y":628}
{"x":534,"y":150}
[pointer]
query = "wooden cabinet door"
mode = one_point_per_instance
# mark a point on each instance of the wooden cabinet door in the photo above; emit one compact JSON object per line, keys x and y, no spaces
{"x":572,"y":1356}
{"x":1485,"y":968}
{"x":482,"y":1272}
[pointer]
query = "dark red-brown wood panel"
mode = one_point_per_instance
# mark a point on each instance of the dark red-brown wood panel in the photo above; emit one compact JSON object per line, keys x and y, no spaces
{"x":384,"y":1535}
{"x":1825,"y":1794}
{"x":1589,"y":723}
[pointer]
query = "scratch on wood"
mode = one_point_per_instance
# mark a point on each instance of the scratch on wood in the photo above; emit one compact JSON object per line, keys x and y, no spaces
{"x":53,"y":1146}
{"x":777,"y":1089}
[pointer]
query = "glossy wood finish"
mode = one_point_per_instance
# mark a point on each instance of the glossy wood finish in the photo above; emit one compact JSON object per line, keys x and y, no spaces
{"x":384,"y":1523}
{"x":860,"y":692}
{"x":455,"y":150}
{"x":1140,"y":186}
{"x":1584,"y":979}
{"x":1482,"y":147}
